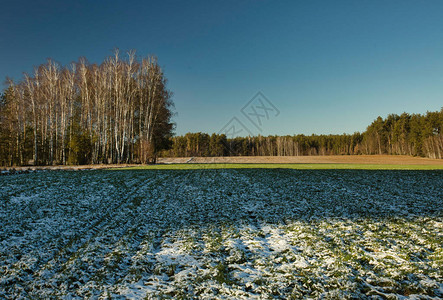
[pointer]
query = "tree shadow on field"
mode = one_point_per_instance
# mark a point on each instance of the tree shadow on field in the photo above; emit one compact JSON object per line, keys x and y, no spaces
{"x":212,"y":196}
{"x":66,"y":218}
{"x":199,"y":197}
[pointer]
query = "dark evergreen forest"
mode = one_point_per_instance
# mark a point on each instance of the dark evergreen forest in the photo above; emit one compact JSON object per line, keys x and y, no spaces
{"x":405,"y":134}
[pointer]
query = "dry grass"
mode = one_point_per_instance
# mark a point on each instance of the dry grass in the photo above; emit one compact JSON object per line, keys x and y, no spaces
{"x":330,"y":159}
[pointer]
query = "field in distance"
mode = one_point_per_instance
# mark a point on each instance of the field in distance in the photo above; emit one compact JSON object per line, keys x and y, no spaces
{"x":325,"y":159}
{"x":359,"y":162}
{"x":364,"y":162}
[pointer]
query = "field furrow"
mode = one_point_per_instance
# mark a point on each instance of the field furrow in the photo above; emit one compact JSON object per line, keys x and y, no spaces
{"x":219,"y":233}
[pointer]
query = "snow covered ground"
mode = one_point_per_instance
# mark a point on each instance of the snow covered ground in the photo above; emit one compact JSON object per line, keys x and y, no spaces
{"x":222,"y":234}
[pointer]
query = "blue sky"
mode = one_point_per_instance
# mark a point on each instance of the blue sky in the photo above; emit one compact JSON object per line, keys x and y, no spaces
{"x":328,"y":66}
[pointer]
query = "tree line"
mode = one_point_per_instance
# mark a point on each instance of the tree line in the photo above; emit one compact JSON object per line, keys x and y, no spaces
{"x":405,"y":134}
{"x":118,"y":111}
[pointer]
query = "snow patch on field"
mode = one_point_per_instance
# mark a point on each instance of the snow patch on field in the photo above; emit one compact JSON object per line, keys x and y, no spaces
{"x":227,"y":234}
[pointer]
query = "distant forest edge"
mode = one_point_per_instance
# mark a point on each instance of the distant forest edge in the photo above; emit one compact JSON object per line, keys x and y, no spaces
{"x":405,"y":134}
{"x":120,"y":111}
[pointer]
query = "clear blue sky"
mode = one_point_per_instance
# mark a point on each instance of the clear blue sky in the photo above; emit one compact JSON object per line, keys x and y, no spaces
{"x":328,"y":66}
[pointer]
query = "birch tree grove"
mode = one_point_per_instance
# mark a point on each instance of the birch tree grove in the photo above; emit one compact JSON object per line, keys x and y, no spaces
{"x":115,"y":112}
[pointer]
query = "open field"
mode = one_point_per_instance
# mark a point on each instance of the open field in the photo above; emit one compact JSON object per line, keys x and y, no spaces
{"x":365,"y":162}
{"x":315,"y":166}
{"x":360,"y":162}
{"x":328,"y":159}
{"x":222,"y":234}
